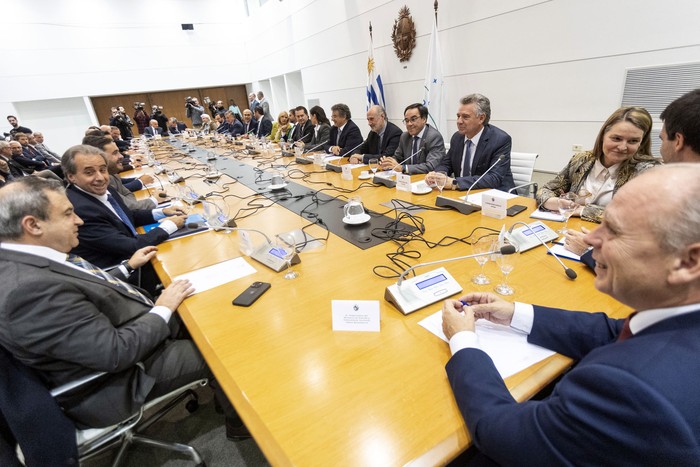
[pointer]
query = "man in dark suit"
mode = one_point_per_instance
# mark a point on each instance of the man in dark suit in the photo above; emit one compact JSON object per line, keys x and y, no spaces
{"x":421,"y":147}
{"x":474,"y":148}
{"x":303,"y":128}
{"x":345,"y":137}
{"x":66,"y":319}
{"x":383,"y":140}
{"x":632,"y":397}
{"x":15,"y":169}
{"x":28,"y":165}
{"x":108,"y":234}
{"x":152,"y":129}
{"x":231,"y":126}
{"x":264,"y":123}
{"x":250,"y":125}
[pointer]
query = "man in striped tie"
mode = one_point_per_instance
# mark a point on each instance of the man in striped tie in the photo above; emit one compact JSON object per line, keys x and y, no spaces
{"x":66,"y":318}
{"x":632,"y":397}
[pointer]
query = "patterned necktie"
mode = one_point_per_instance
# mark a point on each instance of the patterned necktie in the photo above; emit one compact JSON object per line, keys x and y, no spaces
{"x":626,"y":332}
{"x":337,"y":140}
{"x":120,"y":212}
{"x":97,"y":272}
{"x":466,"y":167}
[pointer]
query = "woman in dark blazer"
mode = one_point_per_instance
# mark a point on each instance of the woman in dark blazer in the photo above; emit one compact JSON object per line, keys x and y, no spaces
{"x":322,"y":127}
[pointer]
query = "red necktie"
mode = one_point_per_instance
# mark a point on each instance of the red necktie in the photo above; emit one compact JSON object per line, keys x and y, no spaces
{"x":626,"y":332}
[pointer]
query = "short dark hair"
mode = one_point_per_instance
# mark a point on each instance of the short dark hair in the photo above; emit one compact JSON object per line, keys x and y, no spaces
{"x":68,"y":159}
{"x":258,"y":110}
{"x":301,"y":107}
{"x":97,"y":141}
{"x":11,"y":116}
{"x":18,"y":135}
{"x":683,"y":116}
{"x":343,"y":110}
{"x":422,"y":110}
{"x":320,"y":114}
{"x":31,"y":200}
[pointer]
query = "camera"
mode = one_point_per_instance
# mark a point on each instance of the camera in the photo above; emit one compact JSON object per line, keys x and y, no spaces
{"x":189,"y":101}
{"x":139,"y":105}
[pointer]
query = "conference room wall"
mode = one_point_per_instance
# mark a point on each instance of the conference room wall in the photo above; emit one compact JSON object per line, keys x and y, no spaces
{"x":544,"y":64}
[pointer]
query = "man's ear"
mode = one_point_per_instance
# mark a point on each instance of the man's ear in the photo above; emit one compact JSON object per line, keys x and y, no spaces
{"x":686,"y":267}
{"x":31,"y":226}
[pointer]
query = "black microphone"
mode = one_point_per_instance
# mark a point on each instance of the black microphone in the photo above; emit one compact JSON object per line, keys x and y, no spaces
{"x":391,"y":183}
{"x":570,"y":273}
{"x":338,"y":168}
{"x":196,"y":225}
{"x":504,"y":250}
{"x":303,"y":137}
{"x":315,"y":147}
{"x":466,"y":207}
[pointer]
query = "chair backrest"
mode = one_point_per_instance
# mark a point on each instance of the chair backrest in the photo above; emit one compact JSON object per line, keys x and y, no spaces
{"x":522,"y":164}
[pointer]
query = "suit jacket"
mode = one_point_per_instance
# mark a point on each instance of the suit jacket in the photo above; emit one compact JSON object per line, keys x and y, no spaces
{"x":252,"y":127}
{"x":370,"y":148}
{"x":150,"y":132}
{"x":303,"y":133}
{"x":128,"y":197}
{"x":264,"y":127}
{"x":233,"y":129}
{"x":266,"y":108}
{"x":433,"y":151}
{"x":492,"y":143}
{"x":624,"y":403}
{"x":66,"y":324}
{"x":324,"y":134}
{"x":104,"y":239}
{"x":29,"y":165}
{"x":16,"y":170}
{"x":350,"y":139}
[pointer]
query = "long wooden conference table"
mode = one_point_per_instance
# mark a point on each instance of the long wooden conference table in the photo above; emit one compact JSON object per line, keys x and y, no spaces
{"x":313,"y":396}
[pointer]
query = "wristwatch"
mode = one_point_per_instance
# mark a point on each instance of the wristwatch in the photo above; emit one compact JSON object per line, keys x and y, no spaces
{"x":128,"y":268}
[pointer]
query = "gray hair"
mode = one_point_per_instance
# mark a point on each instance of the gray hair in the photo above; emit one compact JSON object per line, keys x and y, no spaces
{"x":4,"y":144}
{"x":23,"y":197}
{"x":378,"y":110}
{"x":482,"y":104}
{"x":68,"y":159}
{"x":682,"y":227}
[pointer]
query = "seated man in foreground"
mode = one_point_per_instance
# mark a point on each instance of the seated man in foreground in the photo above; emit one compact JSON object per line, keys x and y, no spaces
{"x":67,"y":319}
{"x":632,"y":397}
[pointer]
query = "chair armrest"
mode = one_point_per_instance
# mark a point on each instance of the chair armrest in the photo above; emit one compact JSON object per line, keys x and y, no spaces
{"x":64,"y":388}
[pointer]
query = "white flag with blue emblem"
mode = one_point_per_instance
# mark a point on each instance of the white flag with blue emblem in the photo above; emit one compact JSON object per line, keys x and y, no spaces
{"x":434,"y":85}
{"x":375,"y":88}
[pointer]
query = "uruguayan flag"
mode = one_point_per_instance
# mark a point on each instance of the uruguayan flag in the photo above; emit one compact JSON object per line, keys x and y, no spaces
{"x":375,"y":88}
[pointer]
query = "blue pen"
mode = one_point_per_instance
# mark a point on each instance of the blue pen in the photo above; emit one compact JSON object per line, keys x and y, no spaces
{"x":465,"y":303}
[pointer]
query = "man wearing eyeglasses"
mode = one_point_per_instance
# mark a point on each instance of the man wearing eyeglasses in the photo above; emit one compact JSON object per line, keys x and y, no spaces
{"x":421,"y":147}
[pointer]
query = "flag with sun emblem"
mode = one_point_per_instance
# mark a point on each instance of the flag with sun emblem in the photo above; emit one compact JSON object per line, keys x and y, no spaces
{"x":375,"y":88}
{"x":433,"y":87}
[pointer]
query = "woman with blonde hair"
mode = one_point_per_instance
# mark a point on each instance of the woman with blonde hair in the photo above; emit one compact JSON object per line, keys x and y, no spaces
{"x":281,"y":128}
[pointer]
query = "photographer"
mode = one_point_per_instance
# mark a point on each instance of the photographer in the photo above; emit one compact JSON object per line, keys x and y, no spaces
{"x":140,"y":116}
{"x":160,"y":117}
{"x":194,"y":112}
{"x":121,"y":121}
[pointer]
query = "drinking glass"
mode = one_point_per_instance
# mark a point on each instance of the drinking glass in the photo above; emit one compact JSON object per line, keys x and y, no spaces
{"x":567,"y":206}
{"x":440,"y":180}
{"x":506,"y":263}
{"x":374,"y":165}
{"x":286,"y":246}
{"x":482,"y":245}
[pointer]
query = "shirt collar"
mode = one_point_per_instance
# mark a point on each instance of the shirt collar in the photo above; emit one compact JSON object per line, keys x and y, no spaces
{"x":598,"y":168}
{"x":36,"y":250}
{"x":102,"y":198}
{"x":381,"y":133}
{"x":477,"y":137}
{"x":647,"y":318}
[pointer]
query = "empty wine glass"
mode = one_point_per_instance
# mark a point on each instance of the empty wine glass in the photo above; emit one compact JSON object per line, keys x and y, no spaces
{"x":440,"y":179}
{"x":482,"y":245}
{"x":567,"y":206}
{"x":374,"y":165}
{"x":506,"y":263}
{"x":286,"y":247}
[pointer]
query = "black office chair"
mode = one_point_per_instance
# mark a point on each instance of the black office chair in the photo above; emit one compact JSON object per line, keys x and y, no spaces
{"x":47,"y":437}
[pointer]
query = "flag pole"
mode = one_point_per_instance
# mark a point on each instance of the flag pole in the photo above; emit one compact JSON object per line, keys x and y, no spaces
{"x":435,"y":5}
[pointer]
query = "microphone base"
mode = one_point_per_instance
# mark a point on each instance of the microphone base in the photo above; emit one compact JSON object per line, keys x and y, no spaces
{"x":387,"y":182}
{"x":408,"y":297}
{"x":303,"y":160}
{"x":287,"y":154}
{"x":464,"y":208}
{"x":266,"y":258}
{"x":334,"y":168}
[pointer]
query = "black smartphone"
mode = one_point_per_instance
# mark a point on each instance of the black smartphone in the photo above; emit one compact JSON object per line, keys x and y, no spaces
{"x":251,"y":294}
{"x":515,"y":209}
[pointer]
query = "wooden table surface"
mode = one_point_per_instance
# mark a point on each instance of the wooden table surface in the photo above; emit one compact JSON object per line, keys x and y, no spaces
{"x":311,"y":396}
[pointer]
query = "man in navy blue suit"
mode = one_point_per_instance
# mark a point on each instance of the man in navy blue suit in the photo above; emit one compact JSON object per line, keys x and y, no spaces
{"x":475,"y":147}
{"x":345,"y":137}
{"x":632,"y":397}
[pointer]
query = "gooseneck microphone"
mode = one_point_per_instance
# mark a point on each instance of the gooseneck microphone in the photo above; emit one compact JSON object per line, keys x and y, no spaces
{"x":504,"y":250}
{"x":378,"y":180}
{"x":338,"y":168}
{"x":408,"y":158}
{"x":465,"y":207}
{"x":570,"y":273}
{"x":196,"y":225}
{"x":315,"y":147}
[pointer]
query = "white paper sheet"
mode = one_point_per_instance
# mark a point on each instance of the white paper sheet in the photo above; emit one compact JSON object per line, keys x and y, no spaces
{"x":476,"y":197}
{"x":547,"y":215}
{"x":509,"y":349}
{"x":218,"y":274}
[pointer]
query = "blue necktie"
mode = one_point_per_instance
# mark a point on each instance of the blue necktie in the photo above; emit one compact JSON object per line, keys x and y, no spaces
{"x":466,"y":171}
{"x":120,"y":212}
{"x":415,"y":146}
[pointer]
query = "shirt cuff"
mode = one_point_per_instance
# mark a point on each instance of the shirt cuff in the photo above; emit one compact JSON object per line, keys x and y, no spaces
{"x":124,"y":271}
{"x":158,"y":213}
{"x":523,"y":317}
{"x":162,"y":311}
{"x":169,"y":226}
{"x":464,"y":340}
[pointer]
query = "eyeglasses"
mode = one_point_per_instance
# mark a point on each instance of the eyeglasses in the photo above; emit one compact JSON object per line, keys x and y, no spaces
{"x":413,"y":119}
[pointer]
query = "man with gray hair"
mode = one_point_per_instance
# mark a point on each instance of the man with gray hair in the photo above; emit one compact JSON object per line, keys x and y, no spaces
{"x":263,"y":102}
{"x":475,"y":147}
{"x":345,"y":136}
{"x":631,"y":398}
{"x":382,"y":141}
{"x":43,"y":149}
